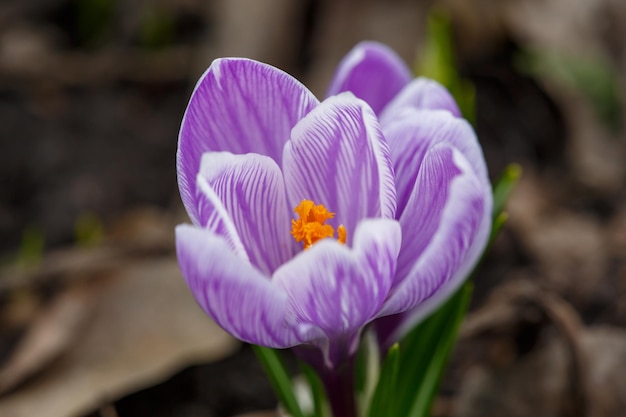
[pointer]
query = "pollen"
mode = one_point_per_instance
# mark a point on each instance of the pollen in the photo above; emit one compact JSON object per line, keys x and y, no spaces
{"x":311,"y":227}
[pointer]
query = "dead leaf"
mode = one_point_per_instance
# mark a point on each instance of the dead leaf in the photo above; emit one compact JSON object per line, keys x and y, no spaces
{"x":52,"y":332}
{"x":145,"y":326}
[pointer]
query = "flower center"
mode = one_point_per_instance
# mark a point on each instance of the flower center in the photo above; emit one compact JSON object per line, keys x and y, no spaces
{"x":310,"y":227}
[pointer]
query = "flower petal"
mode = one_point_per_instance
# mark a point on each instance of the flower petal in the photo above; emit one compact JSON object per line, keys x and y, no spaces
{"x":251,"y":190}
{"x":240,"y":106}
{"x":411,"y":135}
{"x":450,"y":212}
{"x":338,"y":157}
{"x":237,"y":296}
{"x":422,"y":94}
{"x":213,"y":217}
{"x":372,"y":72}
{"x":338,"y":289}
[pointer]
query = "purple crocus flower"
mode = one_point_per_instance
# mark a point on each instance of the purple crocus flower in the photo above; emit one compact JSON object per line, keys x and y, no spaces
{"x":385,"y":161}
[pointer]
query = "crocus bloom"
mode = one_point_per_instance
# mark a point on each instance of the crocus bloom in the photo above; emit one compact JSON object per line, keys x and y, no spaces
{"x":312,"y":219}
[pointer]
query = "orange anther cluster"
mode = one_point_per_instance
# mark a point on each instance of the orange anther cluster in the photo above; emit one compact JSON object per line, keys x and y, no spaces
{"x":310,"y":227}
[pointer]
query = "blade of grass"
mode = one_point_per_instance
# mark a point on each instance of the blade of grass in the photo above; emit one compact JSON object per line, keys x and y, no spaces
{"x":421,"y":347}
{"x":498,"y":222}
{"x":504,"y":187}
{"x":437,"y":61}
{"x":367,"y":366}
{"x":383,"y":399}
{"x":279,"y":378}
{"x":437,"y":365}
{"x":320,"y":402}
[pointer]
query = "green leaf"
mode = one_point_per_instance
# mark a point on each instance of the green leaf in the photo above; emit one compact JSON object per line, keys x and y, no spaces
{"x":437,"y":61}
{"x":88,"y":229}
{"x":367,"y":370}
{"x":437,"y":364}
{"x":279,"y":378}
{"x":504,"y":187}
{"x":438,"y":53}
{"x":424,"y":354}
{"x":320,"y":401}
{"x":383,"y":400}
{"x":501,"y":193}
{"x":361,"y":362}
{"x":31,"y":247}
{"x":498,"y":222}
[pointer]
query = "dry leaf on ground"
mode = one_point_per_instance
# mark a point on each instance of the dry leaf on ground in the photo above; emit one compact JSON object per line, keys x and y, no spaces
{"x":145,"y":327}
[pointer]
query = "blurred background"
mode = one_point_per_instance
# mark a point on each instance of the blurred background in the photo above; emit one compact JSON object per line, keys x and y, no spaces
{"x":94,"y":317}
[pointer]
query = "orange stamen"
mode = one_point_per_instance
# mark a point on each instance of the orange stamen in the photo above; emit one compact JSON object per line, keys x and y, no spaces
{"x":310,"y":227}
{"x":342,"y":234}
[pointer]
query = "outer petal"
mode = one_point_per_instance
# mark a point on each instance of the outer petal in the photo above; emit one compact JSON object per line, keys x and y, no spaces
{"x":338,"y":157}
{"x":416,"y":131}
{"x":450,"y":199}
{"x":240,"y":106}
{"x":237,"y":296}
{"x":250,"y":187}
{"x":338,"y":289}
{"x":422,"y":94}
{"x":372,"y":72}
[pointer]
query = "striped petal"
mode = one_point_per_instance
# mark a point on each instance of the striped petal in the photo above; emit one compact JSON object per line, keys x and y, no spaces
{"x":239,"y":106}
{"x":372,"y":72}
{"x":450,"y":212}
{"x":213,"y":217}
{"x":251,"y":191}
{"x":420,"y":94}
{"x":338,"y":157}
{"x":339,"y":289}
{"x":235,"y":294}
{"x":416,"y":131}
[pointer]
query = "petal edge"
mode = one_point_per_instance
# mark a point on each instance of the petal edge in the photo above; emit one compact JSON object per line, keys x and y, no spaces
{"x":237,"y":296}
{"x":371,"y":71}
{"x":338,"y":157}
{"x":454,"y":248}
{"x":238,"y":105}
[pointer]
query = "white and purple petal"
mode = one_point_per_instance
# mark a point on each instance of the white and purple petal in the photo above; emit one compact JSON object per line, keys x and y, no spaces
{"x":450,"y":214}
{"x":251,"y":190}
{"x":372,"y":72}
{"x":214,"y":218}
{"x":240,"y":106}
{"x":420,"y":94}
{"x":338,"y":157}
{"x":412,"y":134}
{"x":236,"y":295}
{"x":339,"y":289}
